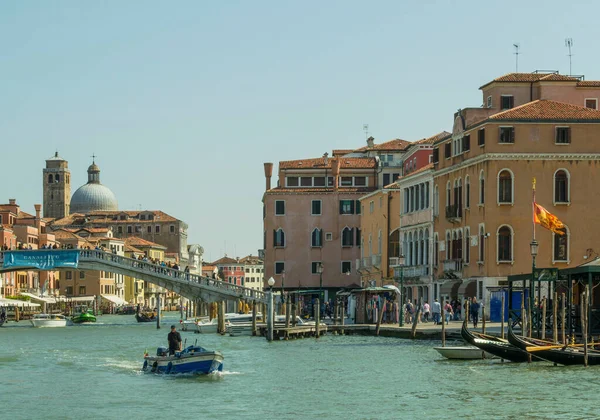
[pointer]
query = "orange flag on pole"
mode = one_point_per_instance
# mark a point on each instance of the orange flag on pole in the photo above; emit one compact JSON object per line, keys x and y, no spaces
{"x":544,"y":218}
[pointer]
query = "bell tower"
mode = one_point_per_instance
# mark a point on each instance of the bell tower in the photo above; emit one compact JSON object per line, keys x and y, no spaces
{"x":57,"y":187}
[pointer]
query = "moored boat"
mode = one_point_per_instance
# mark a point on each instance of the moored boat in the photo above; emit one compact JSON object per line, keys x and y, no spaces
{"x":563,"y":355}
{"x":494,"y":345}
{"x":192,"y":359}
{"x":463,"y":352}
{"x":48,"y":320}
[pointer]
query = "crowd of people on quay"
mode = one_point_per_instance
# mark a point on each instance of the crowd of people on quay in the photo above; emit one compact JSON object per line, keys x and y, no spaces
{"x":453,"y":311}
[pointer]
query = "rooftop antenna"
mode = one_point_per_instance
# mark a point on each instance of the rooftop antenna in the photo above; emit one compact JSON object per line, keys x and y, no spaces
{"x":516,"y":53}
{"x":366,"y":130}
{"x":569,"y":44}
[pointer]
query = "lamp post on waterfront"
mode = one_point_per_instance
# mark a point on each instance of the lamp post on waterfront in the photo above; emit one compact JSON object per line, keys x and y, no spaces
{"x":534,"y":251}
{"x":270,"y":282}
{"x":320,"y":269}
{"x":401,"y":303}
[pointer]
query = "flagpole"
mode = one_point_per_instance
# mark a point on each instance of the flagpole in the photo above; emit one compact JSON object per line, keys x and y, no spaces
{"x":534,"y":249}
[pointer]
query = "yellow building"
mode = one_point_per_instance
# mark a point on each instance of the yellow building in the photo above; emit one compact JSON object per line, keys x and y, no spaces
{"x":153,"y":252}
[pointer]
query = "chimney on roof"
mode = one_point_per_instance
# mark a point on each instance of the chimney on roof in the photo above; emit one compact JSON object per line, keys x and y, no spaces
{"x":38,"y":220}
{"x":335,"y":170}
{"x":326,"y":158}
{"x":268,"y":174}
{"x":12,"y":201}
{"x":371,"y":142}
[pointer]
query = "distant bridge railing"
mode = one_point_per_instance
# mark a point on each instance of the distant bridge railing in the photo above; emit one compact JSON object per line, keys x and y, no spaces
{"x":162,"y":272}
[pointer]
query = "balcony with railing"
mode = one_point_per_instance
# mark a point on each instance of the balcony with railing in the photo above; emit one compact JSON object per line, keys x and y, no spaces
{"x":453,"y":213}
{"x":453,"y":266}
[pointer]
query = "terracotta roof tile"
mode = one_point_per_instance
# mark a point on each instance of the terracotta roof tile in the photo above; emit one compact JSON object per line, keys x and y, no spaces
{"x":299,"y":190}
{"x":341,"y":152}
{"x":421,"y":169}
{"x":131,"y":248}
{"x":138,"y":242}
{"x":588,"y":83}
{"x":433,"y":139}
{"x":396,"y":144}
{"x":251,"y":259}
{"x":548,"y":110}
{"x":319,"y":163}
{"x":532,"y":77}
{"x":225,"y":260}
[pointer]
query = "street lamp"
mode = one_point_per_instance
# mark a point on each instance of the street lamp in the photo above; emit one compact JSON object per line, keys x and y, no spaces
{"x":270,"y":282}
{"x":401,"y":303}
{"x":282,"y":286}
{"x":534,"y":251}
{"x":320,"y":269}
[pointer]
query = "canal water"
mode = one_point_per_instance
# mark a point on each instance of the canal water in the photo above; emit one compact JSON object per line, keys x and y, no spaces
{"x":93,"y":372}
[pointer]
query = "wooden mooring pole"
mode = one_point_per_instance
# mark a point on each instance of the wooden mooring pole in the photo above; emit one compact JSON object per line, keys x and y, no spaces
{"x":563,"y":319}
{"x":416,"y":319}
{"x":483,"y":319}
{"x":379,"y":319}
{"x":317,"y":309}
{"x":555,"y":318}
{"x":523,"y":316}
{"x":543,"y":318}
{"x":584,"y":326}
{"x":158,"y":312}
{"x":443,"y":327}
{"x":254,"y":318}
{"x":502,"y":316}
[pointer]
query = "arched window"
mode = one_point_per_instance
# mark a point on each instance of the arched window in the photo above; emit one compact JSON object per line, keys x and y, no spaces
{"x":426,"y":248}
{"x":348,"y":237}
{"x":481,"y":188}
{"x":409,"y":248}
{"x":417,"y":197}
{"x":436,"y":201}
{"x":505,"y":238}
{"x":436,"y":250}
{"x":57,"y":178}
{"x":561,"y":246}
{"x":427,"y":195}
{"x":459,"y":245}
{"x":561,"y":186}
{"x":505,"y":187}
{"x":278,"y":238}
{"x":448,"y":193}
{"x":467,"y":192}
{"x":50,"y":179}
{"x":316,"y":239}
{"x":448,"y":245}
{"x":481,"y":243}
{"x":467,"y":252}
{"x":421,"y":247}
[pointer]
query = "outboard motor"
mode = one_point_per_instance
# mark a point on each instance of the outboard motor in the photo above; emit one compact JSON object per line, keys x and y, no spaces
{"x":162,"y":351}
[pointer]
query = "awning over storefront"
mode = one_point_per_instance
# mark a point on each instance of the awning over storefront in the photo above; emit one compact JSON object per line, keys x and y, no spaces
{"x":463,"y":287}
{"x":45,"y":299}
{"x":19,"y":303}
{"x":115,"y":299}
{"x":448,"y":287}
{"x":80,"y":299}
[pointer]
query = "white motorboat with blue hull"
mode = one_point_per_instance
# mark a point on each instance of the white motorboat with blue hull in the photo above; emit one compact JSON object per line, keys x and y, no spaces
{"x":192,"y":359}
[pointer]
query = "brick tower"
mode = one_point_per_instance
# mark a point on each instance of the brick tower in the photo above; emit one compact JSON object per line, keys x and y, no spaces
{"x":57,"y":187}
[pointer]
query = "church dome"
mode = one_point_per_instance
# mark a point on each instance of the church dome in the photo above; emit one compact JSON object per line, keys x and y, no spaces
{"x":93,"y":196}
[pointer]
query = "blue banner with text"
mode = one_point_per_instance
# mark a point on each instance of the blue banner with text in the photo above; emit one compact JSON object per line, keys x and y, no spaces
{"x":43,"y":260}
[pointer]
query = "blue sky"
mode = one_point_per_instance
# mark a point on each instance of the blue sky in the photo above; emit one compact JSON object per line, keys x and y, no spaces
{"x":183,"y":101}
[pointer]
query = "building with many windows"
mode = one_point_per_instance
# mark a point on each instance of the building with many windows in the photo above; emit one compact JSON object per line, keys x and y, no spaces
{"x":311,"y":221}
{"x":542,"y":126}
{"x":254,"y":272}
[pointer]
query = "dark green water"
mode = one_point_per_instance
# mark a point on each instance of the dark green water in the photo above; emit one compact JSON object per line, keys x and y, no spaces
{"x":93,"y":372}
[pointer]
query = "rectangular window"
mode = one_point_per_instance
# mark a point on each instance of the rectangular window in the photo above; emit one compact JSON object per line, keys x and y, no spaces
{"x":129,"y":229}
{"x":357,"y":206}
{"x":563,"y":135}
{"x":330,"y":181}
{"x":316,"y":238}
{"x":358,"y":237}
{"x":436,"y":155}
{"x":82,"y":274}
{"x":69,"y":275}
{"x":346,"y":206}
{"x":448,"y":150}
{"x":591,"y":103}
{"x":279,"y":207}
{"x":346,"y":181}
{"x":278,"y":238}
{"x":467,"y":245}
{"x":120,"y":229}
{"x":481,"y":137}
{"x":507,"y":102}
{"x":467,"y":142}
{"x":314,"y":267}
{"x":316,"y":207}
{"x":348,"y":237}
{"x":149,"y":229}
{"x":69,"y":291}
{"x":489,"y":101}
{"x":138,"y":229}
{"x":172,"y":228}
{"x":386,"y":179}
{"x":360,"y":181}
{"x":346,"y":267}
{"x":157,"y":229}
{"x":306,"y":181}
{"x":329,"y":236}
{"x":319,"y":181}
{"x":292,"y":181}
{"x":371,"y":207}
{"x":279,"y":267}
{"x":507,"y":135}
{"x":82,"y":290}
{"x":395,"y":177}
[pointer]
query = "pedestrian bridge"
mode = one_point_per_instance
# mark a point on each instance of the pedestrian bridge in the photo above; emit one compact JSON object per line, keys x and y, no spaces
{"x":191,"y":286}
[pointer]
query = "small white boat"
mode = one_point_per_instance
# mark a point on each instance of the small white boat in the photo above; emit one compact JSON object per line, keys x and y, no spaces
{"x":48,"y":320}
{"x":210,"y":327}
{"x":463,"y":352}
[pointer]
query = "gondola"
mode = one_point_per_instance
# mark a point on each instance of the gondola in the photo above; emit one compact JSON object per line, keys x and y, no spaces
{"x":145,"y":317}
{"x":494,"y":345}
{"x":567,"y":356}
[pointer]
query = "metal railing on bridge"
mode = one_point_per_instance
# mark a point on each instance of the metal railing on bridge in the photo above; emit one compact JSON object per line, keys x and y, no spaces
{"x":166,"y":273}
